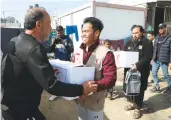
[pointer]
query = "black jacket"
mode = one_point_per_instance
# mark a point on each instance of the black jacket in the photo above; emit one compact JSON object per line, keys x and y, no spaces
{"x":145,"y":49}
{"x":164,"y":55}
{"x":26,"y":71}
{"x":68,"y":45}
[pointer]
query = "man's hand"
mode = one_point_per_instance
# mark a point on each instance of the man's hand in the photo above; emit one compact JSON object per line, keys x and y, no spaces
{"x":151,"y":62}
{"x":134,"y":67}
{"x":83,"y":97}
{"x":170,"y":66}
{"x":89,"y":86}
{"x":53,"y":40}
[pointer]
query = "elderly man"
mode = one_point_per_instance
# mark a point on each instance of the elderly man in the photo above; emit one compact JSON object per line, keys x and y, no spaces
{"x":95,"y":55}
{"x":26,"y":70}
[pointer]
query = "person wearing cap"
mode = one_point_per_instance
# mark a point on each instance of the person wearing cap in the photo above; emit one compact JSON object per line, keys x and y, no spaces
{"x":162,"y":58}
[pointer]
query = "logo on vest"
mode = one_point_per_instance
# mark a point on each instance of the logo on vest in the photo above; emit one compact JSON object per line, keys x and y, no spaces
{"x":59,"y":74}
{"x":140,"y":47}
{"x":78,"y":58}
{"x":97,"y":61}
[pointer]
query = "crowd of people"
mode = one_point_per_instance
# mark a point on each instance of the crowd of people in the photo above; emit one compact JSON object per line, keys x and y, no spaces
{"x":26,"y":70}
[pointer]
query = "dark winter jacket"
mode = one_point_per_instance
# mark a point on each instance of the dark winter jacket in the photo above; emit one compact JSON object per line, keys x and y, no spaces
{"x":145,"y":49}
{"x":164,"y":53}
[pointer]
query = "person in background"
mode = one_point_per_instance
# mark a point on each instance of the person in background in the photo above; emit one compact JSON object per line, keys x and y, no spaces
{"x":26,"y":71}
{"x":62,"y":47}
{"x":108,"y":44}
{"x":151,"y":36}
{"x":1,"y":54}
{"x":110,"y":92}
{"x":162,"y":58}
{"x":95,"y":55}
{"x":138,"y":43}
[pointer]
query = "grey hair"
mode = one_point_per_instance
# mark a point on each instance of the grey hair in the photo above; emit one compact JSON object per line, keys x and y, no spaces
{"x":32,"y":16}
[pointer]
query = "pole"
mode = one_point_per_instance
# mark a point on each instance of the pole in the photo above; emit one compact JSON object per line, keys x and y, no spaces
{"x":4,"y":17}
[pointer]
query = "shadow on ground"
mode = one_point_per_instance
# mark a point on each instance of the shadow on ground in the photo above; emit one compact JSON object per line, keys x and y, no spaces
{"x":156,"y":103}
{"x":153,"y":104}
{"x":61,"y":109}
{"x":117,"y":93}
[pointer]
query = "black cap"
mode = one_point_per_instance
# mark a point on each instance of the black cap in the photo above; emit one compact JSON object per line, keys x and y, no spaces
{"x":162,"y":25}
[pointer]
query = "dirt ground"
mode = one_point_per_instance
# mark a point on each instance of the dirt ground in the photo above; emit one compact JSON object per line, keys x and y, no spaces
{"x":156,"y":106}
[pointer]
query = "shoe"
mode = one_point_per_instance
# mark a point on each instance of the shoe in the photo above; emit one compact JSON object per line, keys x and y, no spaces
{"x":137,"y":114}
{"x":52,"y":98}
{"x":129,"y":107}
{"x":155,"y":89}
{"x":167,"y":91}
{"x":111,"y":96}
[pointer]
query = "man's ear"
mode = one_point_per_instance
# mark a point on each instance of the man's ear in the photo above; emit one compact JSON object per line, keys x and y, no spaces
{"x":38,"y":24}
{"x":97,"y":33}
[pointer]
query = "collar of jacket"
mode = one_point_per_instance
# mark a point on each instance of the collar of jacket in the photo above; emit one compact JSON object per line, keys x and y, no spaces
{"x":167,"y":37}
{"x":91,"y":48}
{"x":140,"y":40}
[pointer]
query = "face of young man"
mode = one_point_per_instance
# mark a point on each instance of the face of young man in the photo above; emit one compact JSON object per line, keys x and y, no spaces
{"x":89,"y":36}
{"x":60,"y":34}
{"x":108,"y":45}
{"x":150,"y":37}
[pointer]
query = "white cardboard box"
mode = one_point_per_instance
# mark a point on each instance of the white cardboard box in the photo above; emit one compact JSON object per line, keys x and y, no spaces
{"x":72,"y":73}
{"x":125,"y":59}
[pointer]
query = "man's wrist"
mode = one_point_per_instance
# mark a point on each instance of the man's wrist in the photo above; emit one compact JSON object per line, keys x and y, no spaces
{"x":81,"y":90}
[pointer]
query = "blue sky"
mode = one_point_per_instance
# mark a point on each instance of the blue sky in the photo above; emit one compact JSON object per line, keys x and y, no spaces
{"x":17,"y":8}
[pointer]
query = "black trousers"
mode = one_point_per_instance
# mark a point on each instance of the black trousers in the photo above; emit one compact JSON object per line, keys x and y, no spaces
{"x":35,"y":114}
{"x":22,"y":111}
{"x":6,"y":113}
{"x":138,"y":100}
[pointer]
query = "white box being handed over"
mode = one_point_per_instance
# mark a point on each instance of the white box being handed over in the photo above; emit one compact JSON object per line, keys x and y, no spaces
{"x":126,"y":59}
{"x":72,"y":73}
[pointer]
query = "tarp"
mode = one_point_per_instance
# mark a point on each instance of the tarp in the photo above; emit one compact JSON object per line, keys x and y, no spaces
{"x":136,"y":3}
{"x":6,"y":35}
